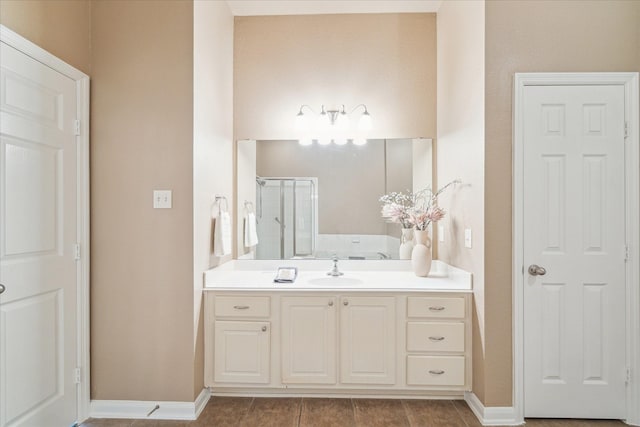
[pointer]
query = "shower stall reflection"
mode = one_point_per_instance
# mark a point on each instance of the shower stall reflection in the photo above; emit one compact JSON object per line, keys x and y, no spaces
{"x":286,"y":214}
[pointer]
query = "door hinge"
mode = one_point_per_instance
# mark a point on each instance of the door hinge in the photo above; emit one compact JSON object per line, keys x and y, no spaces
{"x":628,"y":376}
{"x":77,"y":376}
{"x":626,"y":253}
{"x":76,"y":251}
{"x":76,"y":127}
{"x":626,"y":129}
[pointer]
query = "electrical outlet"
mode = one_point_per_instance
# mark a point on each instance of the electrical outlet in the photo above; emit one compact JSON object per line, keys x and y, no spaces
{"x":467,"y":238}
{"x":162,"y":199}
{"x":440,"y":233}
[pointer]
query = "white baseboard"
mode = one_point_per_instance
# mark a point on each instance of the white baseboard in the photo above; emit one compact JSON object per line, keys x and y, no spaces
{"x":139,"y":409}
{"x":492,"y":415}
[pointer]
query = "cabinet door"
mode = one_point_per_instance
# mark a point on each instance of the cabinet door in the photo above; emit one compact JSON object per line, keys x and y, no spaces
{"x":368,"y":340}
{"x":308,"y":340}
{"x":242,"y":352}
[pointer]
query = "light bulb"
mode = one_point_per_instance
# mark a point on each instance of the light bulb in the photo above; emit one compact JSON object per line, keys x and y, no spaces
{"x":302,"y":122}
{"x":365,"y":123}
{"x":324,"y":141}
{"x":359,"y":141}
{"x":340,"y":141}
{"x":305,"y":141}
{"x":342,"y":122}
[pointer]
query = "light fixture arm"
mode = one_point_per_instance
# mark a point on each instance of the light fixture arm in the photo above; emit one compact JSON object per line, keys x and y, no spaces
{"x":301,"y":113}
{"x":358,"y":106}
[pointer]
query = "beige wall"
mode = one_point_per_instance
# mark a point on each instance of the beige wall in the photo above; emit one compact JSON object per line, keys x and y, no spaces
{"x":461,"y":146}
{"x":386,"y":61}
{"x":142,"y":297}
{"x":62,"y":27}
{"x":212,"y":143}
{"x":533,"y":36}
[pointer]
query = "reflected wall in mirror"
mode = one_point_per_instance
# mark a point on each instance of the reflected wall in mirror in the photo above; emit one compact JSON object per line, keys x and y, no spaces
{"x":318,"y":201}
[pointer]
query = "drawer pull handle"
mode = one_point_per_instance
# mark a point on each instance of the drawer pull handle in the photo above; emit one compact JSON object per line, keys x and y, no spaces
{"x":436,"y":308}
{"x":241,"y":307}
{"x":264,"y":329}
{"x":436,"y":372}
{"x":436,"y":338}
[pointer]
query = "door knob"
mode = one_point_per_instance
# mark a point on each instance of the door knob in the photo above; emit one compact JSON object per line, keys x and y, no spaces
{"x":2,"y":288}
{"x":536,"y":270}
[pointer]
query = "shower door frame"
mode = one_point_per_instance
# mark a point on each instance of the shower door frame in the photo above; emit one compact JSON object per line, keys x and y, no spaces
{"x":314,"y":210}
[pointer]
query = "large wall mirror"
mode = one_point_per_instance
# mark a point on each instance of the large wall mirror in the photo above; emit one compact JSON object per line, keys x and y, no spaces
{"x":320,"y":201}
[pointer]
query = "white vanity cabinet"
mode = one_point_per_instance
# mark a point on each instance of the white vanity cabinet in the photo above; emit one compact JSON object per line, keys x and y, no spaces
{"x":242,"y":352}
{"x":239,"y":339}
{"x":295,"y":341}
{"x":368,"y":344}
{"x":309,"y":339}
{"x":438,"y":341}
{"x":313,"y":341}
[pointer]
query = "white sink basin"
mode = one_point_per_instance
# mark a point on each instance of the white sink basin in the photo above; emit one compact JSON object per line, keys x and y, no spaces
{"x":335,"y":281}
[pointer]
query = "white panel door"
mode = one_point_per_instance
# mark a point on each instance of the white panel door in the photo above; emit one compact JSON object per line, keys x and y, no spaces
{"x":574,"y":216}
{"x":368,"y":340}
{"x":309,"y":335}
{"x":38,"y":222}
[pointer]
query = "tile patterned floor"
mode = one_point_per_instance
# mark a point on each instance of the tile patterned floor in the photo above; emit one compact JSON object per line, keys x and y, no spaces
{"x":298,"y":412}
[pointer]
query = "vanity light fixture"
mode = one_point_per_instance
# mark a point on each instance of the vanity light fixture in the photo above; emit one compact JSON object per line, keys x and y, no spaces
{"x":332,"y":119}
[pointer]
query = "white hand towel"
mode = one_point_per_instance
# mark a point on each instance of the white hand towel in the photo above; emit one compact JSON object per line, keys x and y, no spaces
{"x":222,"y":235}
{"x":250,"y":233}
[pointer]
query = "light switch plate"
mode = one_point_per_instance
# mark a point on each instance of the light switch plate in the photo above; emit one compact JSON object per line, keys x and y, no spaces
{"x":162,"y":199}
{"x":467,"y":238}
{"x":440,"y":233}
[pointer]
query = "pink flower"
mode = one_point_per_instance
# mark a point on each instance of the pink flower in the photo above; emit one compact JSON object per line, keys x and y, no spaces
{"x":395,"y":213}
{"x":435,"y":213}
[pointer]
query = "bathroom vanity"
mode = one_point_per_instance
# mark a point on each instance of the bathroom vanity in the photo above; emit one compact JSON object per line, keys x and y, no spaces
{"x":377,"y":330}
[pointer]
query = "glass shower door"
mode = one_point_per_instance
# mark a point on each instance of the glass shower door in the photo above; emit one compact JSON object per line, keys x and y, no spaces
{"x":286,"y":217}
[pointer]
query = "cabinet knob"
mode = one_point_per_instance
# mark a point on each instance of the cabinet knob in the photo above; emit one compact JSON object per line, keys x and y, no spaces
{"x":264,"y":329}
{"x":345,"y":302}
{"x":330,"y":303}
{"x":2,"y":288}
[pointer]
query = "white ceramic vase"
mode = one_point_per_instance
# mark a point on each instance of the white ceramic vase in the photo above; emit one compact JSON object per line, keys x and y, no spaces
{"x":421,"y":254}
{"x":406,"y":243}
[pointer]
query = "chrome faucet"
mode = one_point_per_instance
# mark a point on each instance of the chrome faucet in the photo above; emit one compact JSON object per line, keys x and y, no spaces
{"x":334,"y":272}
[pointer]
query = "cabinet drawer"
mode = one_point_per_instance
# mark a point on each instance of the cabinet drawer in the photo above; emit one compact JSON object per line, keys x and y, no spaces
{"x":434,"y":336}
{"x":242,"y":306}
{"x":435,"y":370}
{"x":450,"y":307}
